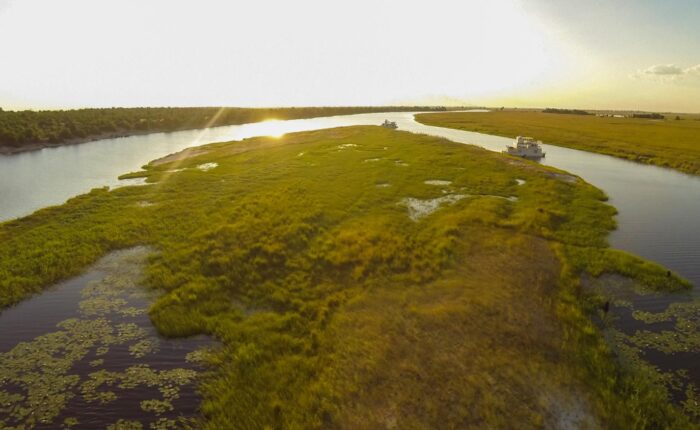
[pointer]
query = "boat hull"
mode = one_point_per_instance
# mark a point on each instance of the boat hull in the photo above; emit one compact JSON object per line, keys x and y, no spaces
{"x":531,"y":156}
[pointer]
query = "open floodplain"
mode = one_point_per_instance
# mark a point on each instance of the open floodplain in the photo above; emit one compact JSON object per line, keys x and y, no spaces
{"x":341,"y":215}
{"x":353,"y":277}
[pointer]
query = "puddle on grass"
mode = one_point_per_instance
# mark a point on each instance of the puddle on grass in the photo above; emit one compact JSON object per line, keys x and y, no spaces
{"x":509,"y":198}
{"x":371,"y":160}
{"x":346,"y":146}
{"x":85,"y":355}
{"x":660,"y":331}
{"x":437,"y":182}
{"x":520,"y":181}
{"x":131,"y":182}
{"x":383,"y":185}
{"x":418,"y":208}
{"x":207,"y":166}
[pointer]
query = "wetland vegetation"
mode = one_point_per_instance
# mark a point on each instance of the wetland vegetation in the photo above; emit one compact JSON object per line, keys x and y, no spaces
{"x":652,"y":140}
{"x":361,"y":277}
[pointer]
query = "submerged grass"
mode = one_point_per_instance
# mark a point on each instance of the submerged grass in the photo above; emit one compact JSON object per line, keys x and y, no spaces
{"x":337,"y":310}
{"x":668,"y":142}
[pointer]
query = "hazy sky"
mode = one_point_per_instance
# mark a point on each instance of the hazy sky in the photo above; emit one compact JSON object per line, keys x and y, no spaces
{"x":627,"y":54}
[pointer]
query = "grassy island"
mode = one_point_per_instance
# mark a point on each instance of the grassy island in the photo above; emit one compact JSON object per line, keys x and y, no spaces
{"x":363,"y":278}
{"x":665,"y":142}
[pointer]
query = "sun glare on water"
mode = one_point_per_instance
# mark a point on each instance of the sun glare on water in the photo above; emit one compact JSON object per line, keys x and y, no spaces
{"x":271,"y":127}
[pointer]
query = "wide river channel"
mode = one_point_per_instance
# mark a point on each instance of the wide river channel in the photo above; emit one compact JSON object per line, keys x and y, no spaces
{"x":659,"y":208}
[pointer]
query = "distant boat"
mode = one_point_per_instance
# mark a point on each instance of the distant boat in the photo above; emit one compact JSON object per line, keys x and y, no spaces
{"x":525,"y":147}
{"x":389,"y":124}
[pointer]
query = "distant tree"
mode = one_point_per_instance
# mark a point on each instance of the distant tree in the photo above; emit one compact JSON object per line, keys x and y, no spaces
{"x":678,"y":118}
{"x":567,"y":111}
{"x":22,"y":127}
{"x":648,"y":115}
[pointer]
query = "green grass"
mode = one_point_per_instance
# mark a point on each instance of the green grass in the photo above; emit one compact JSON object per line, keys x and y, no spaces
{"x":336,"y":310}
{"x":667,"y":142}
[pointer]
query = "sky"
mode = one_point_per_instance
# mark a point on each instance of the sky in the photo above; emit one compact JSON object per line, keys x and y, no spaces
{"x":614,"y":54}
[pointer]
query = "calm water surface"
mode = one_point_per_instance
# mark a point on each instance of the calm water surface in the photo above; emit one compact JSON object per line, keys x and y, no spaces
{"x":85,"y":352}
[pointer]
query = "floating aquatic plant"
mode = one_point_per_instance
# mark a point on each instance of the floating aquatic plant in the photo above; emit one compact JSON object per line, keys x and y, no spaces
{"x":163,"y":424}
{"x":69,"y":422}
{"x":143,"y":347}
{"x":38,"y":378}
{"x":679,"y":333}
{"x":125,"y":425}
{"x":156,"y":406}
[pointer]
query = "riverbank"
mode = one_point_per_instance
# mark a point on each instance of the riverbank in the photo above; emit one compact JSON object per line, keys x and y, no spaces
{"x":333,"y":265}
{"x":23,"y":131}
{"x":668,"y":142}
{"x":35,"y":146}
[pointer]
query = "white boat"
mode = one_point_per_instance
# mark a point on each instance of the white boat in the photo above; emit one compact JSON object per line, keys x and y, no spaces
{"x":526,"y":147}
{"x":389,"y":124}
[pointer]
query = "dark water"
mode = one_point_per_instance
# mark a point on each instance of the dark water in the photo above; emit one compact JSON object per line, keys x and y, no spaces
{"x":658,"y":329}
{"x":85,"y":351}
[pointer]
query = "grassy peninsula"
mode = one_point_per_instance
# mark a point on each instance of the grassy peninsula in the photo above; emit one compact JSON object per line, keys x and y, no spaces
{"x":28,"y":130}
{"x":366,"y":278}
{"x":665,"y":142}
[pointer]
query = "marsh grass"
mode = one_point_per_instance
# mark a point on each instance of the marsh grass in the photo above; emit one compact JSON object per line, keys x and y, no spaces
{"x":668,"y":142}
{"x":337,"y":310}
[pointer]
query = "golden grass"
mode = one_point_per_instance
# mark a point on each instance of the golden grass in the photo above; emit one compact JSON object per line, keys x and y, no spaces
{"x":337,"y":310}
{"x":670,"y":143}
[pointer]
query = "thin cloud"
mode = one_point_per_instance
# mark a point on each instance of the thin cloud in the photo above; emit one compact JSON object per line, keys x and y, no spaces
{"x":4,"y":4}
{"x":667,"y":72}
{"x":664,"y":70}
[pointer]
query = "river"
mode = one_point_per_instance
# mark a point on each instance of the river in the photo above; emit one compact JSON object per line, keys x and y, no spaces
{"x":659,"y":208}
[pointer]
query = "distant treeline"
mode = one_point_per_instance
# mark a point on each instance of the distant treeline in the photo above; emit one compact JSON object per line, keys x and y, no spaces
{"x":20,"y":128}
{"x":649,"y":115}
{"x":567,"y":111}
